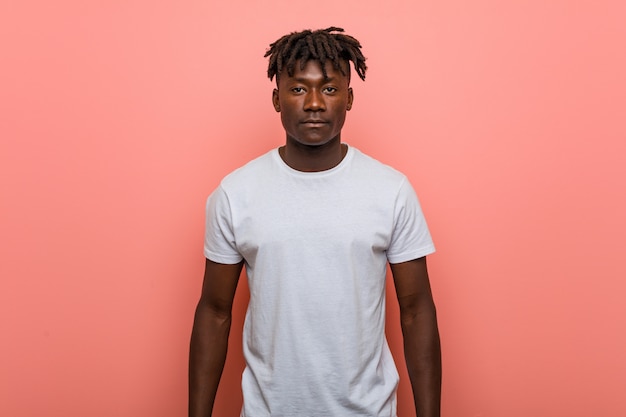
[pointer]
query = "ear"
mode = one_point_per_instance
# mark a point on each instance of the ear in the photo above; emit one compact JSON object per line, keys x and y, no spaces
{"x":350,"y":99}
{"x":275,"y":100}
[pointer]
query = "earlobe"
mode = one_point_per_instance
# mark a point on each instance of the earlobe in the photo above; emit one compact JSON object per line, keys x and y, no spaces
{"x":275,"y":100}
{"x":350,"y":99}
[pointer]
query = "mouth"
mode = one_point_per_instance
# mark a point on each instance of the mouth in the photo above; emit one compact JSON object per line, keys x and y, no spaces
{"x":314,"y":122}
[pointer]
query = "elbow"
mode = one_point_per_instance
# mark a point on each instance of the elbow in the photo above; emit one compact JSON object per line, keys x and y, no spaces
{"x":212,"y":313}
{"x":418,"y":315}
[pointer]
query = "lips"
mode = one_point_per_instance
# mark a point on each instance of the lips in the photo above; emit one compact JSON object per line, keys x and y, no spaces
{"x":314,"y":122}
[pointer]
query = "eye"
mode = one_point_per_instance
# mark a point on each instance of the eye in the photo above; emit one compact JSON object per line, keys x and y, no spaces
{"x":297,"y":90}
{"x":330,"y":90}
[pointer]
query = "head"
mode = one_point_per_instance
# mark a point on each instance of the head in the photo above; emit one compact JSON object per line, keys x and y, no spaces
{"x":312,"y":70}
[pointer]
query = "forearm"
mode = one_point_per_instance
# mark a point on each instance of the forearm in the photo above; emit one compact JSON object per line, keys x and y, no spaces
{"x":423,"y":358}
{"x":209,"y":344}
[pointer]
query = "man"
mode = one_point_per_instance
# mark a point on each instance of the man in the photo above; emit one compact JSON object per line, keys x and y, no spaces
{"x":315,"y":223}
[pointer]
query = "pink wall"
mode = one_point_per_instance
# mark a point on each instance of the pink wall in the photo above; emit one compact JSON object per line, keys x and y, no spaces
{"x":118,"y":118}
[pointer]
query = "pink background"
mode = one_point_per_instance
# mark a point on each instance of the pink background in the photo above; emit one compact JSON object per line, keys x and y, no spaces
{"x":118,"y":118}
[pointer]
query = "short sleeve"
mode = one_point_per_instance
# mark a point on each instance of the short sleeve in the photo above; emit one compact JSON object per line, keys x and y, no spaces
{"x":219,"y":238}
{"x":410,"y":238}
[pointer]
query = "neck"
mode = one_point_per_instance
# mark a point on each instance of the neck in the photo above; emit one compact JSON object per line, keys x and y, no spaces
{"x":313,"y":158}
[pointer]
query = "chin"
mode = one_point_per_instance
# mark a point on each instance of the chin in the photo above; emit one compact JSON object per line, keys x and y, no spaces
{"x":314,"y":143}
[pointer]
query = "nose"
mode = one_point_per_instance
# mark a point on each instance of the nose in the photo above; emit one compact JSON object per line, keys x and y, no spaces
{"x":314,"y":101}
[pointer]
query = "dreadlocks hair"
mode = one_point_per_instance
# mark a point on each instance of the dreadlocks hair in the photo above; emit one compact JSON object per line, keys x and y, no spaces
{"x":322,"y":45}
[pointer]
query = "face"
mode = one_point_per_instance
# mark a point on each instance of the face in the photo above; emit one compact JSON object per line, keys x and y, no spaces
{"x":313,"y":108}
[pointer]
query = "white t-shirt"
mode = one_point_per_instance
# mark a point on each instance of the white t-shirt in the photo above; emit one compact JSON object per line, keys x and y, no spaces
{"x":316,"y":247}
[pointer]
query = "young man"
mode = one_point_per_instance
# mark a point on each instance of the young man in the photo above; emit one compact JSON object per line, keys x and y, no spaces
{"x":315,"y":223}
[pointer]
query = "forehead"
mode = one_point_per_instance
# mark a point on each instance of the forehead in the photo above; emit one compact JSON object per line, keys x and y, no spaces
{"x":312,"y":70}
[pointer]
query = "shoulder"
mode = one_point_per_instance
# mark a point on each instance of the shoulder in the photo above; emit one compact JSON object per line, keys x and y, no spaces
{"x":250,"y":173}
{"x":374,"y":170}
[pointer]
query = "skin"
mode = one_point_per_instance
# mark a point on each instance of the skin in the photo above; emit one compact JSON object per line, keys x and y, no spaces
{"x":209,"y":336}
{"x":313,"y":111}
{"x":422,"y":349}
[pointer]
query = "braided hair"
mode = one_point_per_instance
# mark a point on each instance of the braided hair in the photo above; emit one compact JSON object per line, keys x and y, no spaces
{"x":322,"y":45}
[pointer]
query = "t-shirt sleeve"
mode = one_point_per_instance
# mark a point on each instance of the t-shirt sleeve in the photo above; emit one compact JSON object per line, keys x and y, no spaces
{"x":219,"y":238}
{"x":410,"y":238}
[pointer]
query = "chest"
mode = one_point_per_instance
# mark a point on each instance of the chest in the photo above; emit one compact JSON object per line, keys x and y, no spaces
{"x":316,"y":220}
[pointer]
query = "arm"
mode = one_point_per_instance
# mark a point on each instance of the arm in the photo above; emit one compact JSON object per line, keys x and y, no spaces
{"x":209,"y":337}
{"x":421,"y":336}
